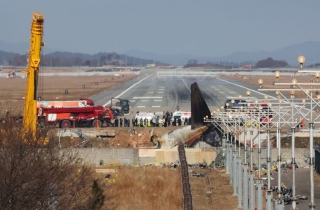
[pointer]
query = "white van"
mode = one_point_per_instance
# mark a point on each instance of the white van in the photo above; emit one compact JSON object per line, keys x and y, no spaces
{"x":180,"y":115}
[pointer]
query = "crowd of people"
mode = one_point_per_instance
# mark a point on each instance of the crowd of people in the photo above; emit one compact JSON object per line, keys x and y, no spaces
{"x":146,"y":121}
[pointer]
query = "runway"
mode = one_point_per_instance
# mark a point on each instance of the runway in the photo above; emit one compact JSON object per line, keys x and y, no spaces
{"x":156,"y":94}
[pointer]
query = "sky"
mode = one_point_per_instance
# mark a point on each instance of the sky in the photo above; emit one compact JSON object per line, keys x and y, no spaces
{"x":203,"y":27}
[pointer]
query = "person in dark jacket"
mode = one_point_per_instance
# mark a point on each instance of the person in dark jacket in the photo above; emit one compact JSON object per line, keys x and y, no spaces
{"x":121,"y":121}
{"x":179,"y":122}
{"x":141,"y":122}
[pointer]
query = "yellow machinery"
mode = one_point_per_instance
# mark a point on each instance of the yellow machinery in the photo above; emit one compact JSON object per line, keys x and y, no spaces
{"x":30,"y":108}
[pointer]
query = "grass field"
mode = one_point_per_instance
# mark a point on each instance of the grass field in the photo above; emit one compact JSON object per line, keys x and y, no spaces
{"x":13,"y":90}
{"x":156,"y":188}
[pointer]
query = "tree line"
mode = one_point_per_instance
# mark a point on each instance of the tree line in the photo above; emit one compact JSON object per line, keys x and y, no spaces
{"x":68,"y":59}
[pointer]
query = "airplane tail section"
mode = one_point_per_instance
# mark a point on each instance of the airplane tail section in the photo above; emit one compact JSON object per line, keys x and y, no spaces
{"x":199,"y":107}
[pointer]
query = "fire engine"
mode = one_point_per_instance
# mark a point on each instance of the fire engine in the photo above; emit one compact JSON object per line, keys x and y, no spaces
{"x":66,"y":117}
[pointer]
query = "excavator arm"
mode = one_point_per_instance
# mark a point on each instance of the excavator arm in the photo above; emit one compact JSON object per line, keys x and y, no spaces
{"x":32,"y":73}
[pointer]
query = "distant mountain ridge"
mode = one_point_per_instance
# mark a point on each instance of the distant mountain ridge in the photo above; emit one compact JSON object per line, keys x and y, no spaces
{"x":309,"y":49}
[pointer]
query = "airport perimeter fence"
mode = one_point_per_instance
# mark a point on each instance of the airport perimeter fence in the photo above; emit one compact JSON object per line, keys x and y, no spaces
{"x":317,"y":161}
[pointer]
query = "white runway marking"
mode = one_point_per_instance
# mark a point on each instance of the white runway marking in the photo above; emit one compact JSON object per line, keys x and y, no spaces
{"x":132,"y":100}
{"x":146,"y":97}
{"x":160,"y":92}
{"x":126,"y":90}
{"x":150,"y":92}
{"x":231,"y":92}
{"x":141,"y":106}
{"x":221,"y":92}
{"x":157,"y":100}
{"x":144,"y":100}
{"x":156,"y":106}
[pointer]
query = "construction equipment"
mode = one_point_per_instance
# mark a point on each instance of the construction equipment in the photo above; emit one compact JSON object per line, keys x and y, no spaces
{"x":66,"y":117}
{"x":120,"y":106}
{"x":30,"y":108}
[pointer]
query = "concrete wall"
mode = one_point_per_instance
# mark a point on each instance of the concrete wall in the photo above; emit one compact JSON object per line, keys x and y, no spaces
{"x":107,"y":155}
{"x":133,"y":156}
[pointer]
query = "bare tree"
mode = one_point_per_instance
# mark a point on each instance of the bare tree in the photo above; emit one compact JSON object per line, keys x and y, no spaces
{"x":37,"y":175}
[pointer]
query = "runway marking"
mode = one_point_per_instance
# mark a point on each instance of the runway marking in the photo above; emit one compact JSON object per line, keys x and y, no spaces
{"x":132,"y":100}
{"x":161,"y":89}
{"x":144,"y":100}
{"x":156,"y":106}
{"x":157,"y":100}
{"x":231,"y":92}
{"x":140,"y":106}
{"x":221,"y":92}
{"x":150,"y":92}
{"x":118,"y":96}
{"x":146,"y":97}
{"x":160,"y":92}
{"x":186,"y":85}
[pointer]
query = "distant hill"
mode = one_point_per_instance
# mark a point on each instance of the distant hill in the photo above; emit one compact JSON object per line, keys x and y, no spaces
{"x":310,"y":49}
{"x":59,"y":58}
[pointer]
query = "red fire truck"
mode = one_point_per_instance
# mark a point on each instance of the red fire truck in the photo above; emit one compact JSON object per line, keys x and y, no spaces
{"x":67,"y":117}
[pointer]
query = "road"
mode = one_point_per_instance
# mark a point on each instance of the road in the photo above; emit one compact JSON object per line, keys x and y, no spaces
{"x":302,"y":187}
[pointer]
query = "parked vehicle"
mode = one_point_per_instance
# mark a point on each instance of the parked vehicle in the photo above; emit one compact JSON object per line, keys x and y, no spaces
{"x":90,"y":116}
{"x":120,"y":106}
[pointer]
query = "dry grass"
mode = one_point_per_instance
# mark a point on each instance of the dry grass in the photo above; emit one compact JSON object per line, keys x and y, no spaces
{"x":53,"y":87}
{"x":221,"y":192}
{"x":146,"y":188}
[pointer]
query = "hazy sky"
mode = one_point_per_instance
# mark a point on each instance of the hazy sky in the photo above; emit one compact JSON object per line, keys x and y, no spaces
{"x":202,"y":27}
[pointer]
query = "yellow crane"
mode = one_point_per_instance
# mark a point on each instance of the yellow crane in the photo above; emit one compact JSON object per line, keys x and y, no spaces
{"x":30,"y":107}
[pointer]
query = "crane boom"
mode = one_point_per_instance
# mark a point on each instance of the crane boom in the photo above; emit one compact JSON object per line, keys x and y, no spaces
{"x":30,"y":108}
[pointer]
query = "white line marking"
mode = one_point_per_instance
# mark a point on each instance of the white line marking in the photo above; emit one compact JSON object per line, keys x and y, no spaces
{"x":156,"y":106}
{"x":231,"y":92}
{"x":221,"y":92}
{"x":160,"y":92}
{"x":186,"y":85}
{"x":141,"y":106}
{"x":144,"y":100}
{"x":146,"y":97}
{"x":157,"y":100}
{"x":150,"y":92}
{"x":132,"y":100}
{"x":126,"y":90}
